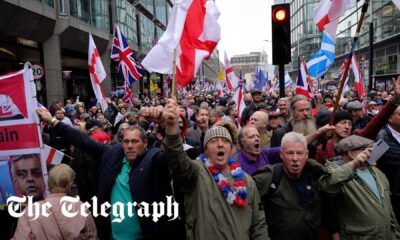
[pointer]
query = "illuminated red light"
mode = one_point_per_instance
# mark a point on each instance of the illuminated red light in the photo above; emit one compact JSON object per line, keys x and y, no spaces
{"x":279,"y":14}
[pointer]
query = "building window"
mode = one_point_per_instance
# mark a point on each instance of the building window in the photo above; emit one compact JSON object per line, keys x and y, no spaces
{"x":48,"y":3}
{"x":100,"y":14}
{"x":62,"y":7}
{"x":126,"y":20}
{"x":148,"y":4}
{"x":161,"y":11}
{"x":146,"y":33}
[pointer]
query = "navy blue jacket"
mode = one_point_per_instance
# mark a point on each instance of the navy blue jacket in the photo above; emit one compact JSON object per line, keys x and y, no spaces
{"x":149,"y":180}
{"x":389,"y":164}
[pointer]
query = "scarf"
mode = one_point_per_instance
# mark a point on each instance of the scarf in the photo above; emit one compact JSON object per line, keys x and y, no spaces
{"x":235,"y":193}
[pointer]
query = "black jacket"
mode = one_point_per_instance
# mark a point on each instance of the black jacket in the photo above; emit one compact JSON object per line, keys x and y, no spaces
{"x":248,"y":111}
{"x":389,"y":164}
{"x":149,"y":181}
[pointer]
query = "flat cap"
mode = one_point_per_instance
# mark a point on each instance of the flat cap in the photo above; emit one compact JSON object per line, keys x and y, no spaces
{"x":354,"y":105}
{"x":215,"y":132}
{"x":353,"y":142}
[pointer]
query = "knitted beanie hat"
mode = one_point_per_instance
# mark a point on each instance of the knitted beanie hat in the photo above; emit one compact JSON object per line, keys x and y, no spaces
{"x":342,"y":115}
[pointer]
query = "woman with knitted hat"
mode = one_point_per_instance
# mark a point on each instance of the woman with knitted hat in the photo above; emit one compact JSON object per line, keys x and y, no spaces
{"x":221,"y":201}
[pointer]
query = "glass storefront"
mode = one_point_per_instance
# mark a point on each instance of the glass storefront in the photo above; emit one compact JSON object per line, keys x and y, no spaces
{"x":386,"y":23}
{"x":100,"y":14}
{"x":161,"y":11}
{"x":125,"y":17}
{"x":146,"y":34}
{"x":94,"y":12}
{"x":148,"y":4}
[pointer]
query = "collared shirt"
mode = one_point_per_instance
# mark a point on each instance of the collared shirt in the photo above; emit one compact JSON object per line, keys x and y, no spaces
{"x":369,"y":181}
{"x":129,"y":228}
{"x":395,"y":133}
{"x":267,"y":156}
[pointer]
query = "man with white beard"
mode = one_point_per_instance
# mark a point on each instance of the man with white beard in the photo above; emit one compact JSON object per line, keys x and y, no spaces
{"x":302,"y":121}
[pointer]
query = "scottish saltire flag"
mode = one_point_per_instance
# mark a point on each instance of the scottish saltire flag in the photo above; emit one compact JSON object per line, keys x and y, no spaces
{"x":323,"y":59}
{"x":304,"y":82}
{"x":261,"y":81}
{"x":128,"y":68}
{"x":326,"y":17}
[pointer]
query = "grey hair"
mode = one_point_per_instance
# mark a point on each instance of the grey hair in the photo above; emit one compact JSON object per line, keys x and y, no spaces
{"x":293,"y":137}
{"x":296,"y":99}
{"x":285,"y":99}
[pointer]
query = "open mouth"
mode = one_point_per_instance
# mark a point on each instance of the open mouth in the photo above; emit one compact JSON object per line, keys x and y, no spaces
{"x":220,"y":154}
{"x":257,"y":145}
{"x":295,"y":167}
{"x":32,"y":189}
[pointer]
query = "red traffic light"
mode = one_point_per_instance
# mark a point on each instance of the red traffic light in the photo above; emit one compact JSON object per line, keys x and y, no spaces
{"x":279,"y":14}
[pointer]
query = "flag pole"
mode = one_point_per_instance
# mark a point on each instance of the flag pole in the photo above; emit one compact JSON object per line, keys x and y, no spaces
{"x":173,"y":84}
{"x":347,"y":66}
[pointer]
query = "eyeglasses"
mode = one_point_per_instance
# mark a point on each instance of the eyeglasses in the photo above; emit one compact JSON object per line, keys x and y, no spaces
{"x":372,"y":105}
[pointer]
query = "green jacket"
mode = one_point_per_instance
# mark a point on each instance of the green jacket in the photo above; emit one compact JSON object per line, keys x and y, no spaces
{"x":286,"y":218}
{"x":208,"y":215}
{"x":361,"y":214}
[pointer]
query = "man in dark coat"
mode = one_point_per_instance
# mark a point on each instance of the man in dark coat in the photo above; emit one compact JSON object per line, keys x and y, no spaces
{"x":130,"y":172}
{"x":254,"y":106}
{"x":389,"y":164}
{"x":289,"y":192}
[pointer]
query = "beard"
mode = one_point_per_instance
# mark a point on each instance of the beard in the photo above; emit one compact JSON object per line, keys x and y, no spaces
{"x":303,"y":127}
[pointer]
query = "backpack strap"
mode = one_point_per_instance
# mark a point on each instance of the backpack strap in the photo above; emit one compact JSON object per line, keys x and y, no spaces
{"x":276,"y":178}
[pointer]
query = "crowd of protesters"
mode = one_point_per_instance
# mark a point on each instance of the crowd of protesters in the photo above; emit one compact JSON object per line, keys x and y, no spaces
{"x":282,"y":172}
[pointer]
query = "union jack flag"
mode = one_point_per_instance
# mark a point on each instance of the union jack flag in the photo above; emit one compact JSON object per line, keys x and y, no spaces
{"x":6,"y":108}
{"x":128,"y":68}
{"x":128,"y":94}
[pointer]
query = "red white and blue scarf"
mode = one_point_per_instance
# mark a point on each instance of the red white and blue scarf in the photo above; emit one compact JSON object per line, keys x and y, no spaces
{"x":235,"y":193}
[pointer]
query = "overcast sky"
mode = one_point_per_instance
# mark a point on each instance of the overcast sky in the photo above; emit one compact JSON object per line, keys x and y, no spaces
{"x":245,"y":24}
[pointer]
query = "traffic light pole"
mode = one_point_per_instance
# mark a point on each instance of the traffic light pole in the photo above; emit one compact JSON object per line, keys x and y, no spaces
{"x":281,"y":80}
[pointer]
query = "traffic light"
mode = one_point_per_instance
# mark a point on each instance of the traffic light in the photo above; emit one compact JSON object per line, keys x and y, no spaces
{"x":281,"y":53}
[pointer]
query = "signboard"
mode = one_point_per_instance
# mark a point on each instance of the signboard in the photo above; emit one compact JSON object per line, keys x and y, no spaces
{"x":38,"y":71}
{"x":20,"y":137}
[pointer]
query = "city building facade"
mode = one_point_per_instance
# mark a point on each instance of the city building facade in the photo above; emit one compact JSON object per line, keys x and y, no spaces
{"x":246,"y":64}
{"x":54,"y":35}
{"x":306,"y":40}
